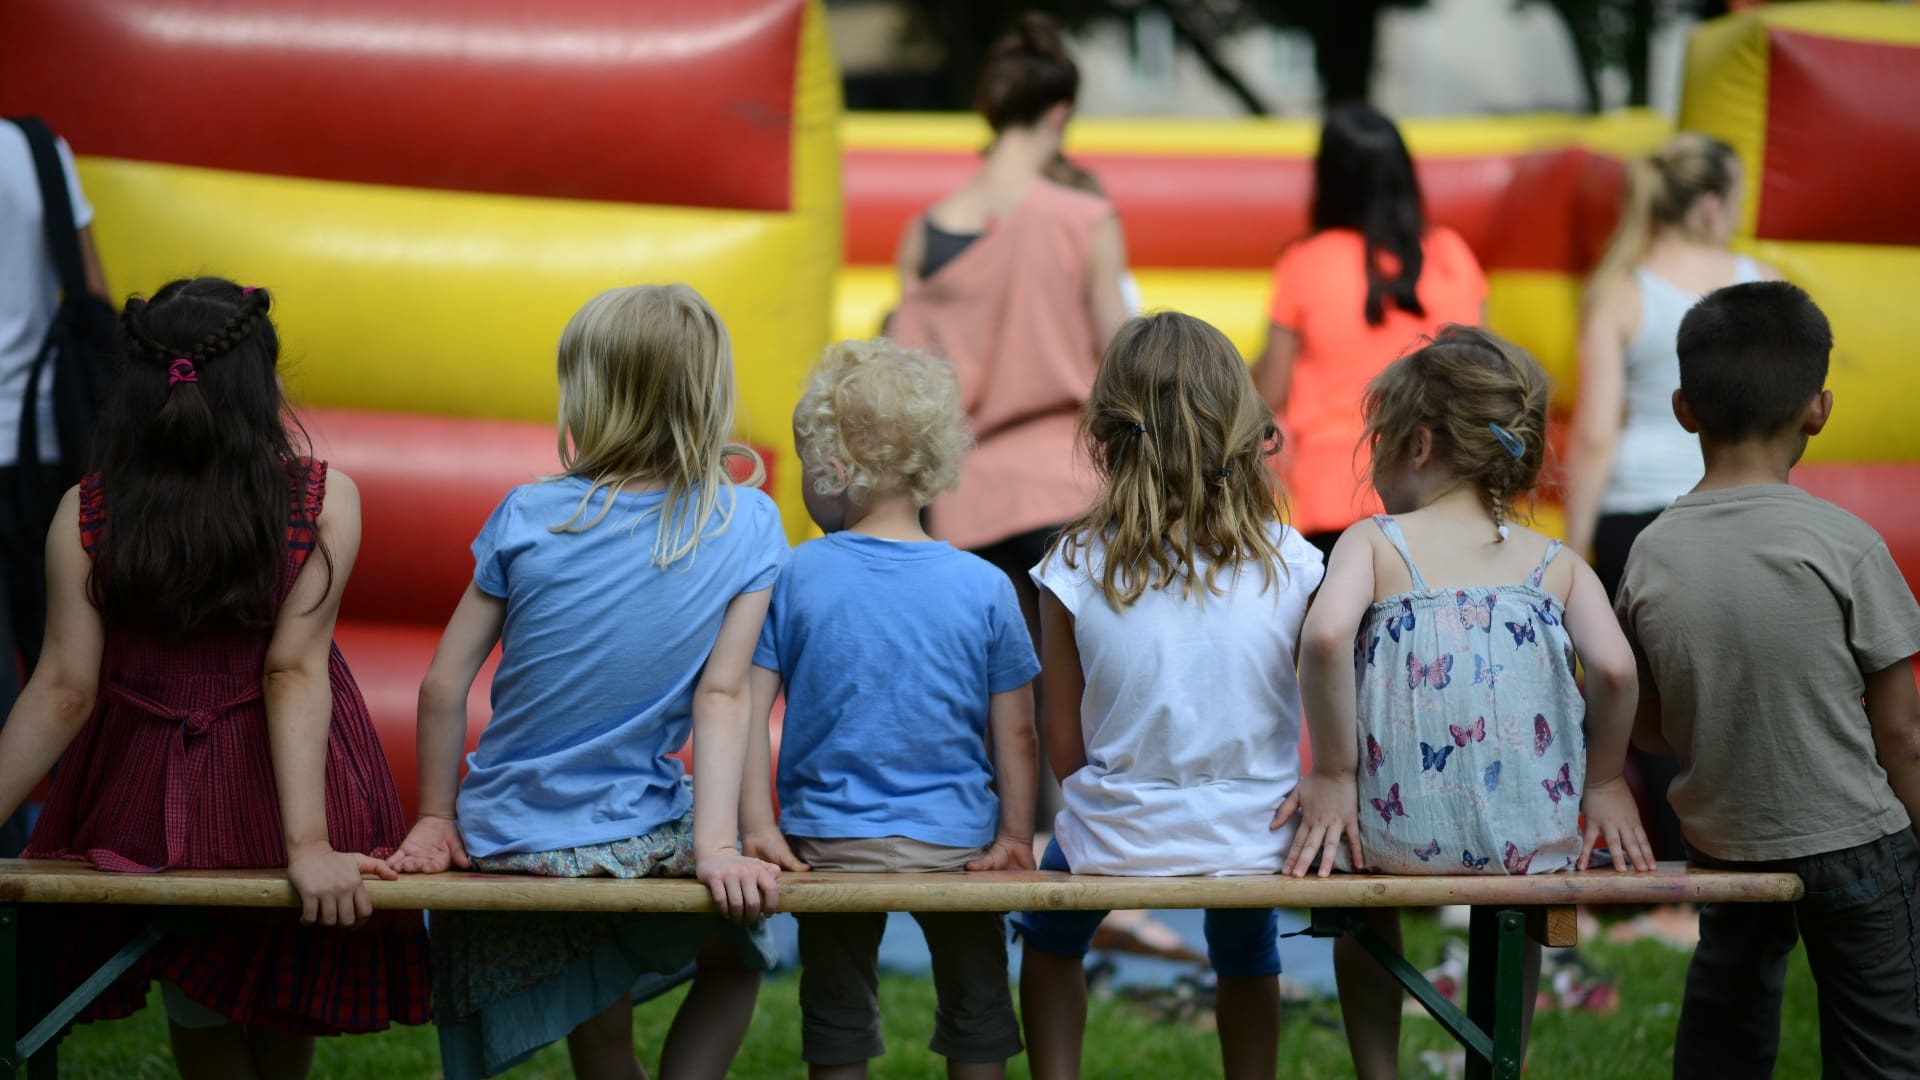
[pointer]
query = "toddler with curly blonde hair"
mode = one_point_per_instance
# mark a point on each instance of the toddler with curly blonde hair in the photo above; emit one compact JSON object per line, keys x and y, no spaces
{"x":908,"y":743}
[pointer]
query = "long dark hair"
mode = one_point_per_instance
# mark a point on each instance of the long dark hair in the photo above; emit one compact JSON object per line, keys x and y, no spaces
{"x":1363,"y":180}
{"x":194,"y":451}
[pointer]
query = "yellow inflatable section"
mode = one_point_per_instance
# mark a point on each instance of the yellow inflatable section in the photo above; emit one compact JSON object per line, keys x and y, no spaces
{"x":1822,"y":102}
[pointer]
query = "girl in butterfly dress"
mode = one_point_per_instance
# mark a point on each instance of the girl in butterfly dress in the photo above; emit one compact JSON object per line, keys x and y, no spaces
{"x":1437,"y":666}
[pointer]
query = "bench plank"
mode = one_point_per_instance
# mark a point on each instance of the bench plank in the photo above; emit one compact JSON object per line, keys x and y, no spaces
{"x":50,"y":882}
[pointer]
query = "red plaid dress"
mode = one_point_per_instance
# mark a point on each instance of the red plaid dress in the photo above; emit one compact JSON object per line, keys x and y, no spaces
{"x":174,"y":769}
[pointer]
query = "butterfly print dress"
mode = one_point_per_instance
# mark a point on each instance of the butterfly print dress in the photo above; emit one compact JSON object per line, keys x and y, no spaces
{"x":1472,"y":749}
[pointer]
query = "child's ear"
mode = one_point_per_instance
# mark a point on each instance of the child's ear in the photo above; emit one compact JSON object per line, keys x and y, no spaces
{"x":1683,"y":412}
{"x":1422,"y":448}
{"x":1819,"y":411}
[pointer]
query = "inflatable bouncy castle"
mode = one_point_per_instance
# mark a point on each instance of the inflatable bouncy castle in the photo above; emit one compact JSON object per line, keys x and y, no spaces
{"x":430,"y":189}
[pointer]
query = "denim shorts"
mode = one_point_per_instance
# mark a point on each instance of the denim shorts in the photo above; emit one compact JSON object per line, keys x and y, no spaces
{"x":1242,"y":943}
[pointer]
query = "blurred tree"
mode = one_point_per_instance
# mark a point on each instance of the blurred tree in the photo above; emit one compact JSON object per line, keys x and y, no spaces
{"x":1619,"y":34}
{"x":1342,"y":32}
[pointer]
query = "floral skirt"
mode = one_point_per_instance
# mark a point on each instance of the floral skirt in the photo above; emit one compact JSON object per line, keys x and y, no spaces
{"x":507,"y":983}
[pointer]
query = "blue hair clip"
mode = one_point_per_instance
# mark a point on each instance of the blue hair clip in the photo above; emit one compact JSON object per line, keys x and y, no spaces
{"x":1509,"y":440}
{"x":1139,"y":428}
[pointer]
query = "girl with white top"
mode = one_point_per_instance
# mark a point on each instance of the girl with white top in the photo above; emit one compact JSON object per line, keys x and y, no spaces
{"x":1169,"y":612}
{"x":1631,"y":457}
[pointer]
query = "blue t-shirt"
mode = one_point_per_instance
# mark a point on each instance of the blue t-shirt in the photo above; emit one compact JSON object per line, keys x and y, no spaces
{"x":890,"y":652}
{"x":599,"y":658}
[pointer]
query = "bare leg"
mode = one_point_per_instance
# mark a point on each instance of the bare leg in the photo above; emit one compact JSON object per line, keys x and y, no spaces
{"x":1248,"y":1011}
{"x":278,"y":1055}
{"x":1370,"y":1000}
{"x":988,"y":1070}
{"x":1053,"y":1001}
{"x":602,"y":1048}
{"x":218,"y":1053}
{"x":855,"y":1070}
{"x":713,"y":1019}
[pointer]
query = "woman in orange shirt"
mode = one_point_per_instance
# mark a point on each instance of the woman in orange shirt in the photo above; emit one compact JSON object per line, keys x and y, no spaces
{"x":1370,"y":280}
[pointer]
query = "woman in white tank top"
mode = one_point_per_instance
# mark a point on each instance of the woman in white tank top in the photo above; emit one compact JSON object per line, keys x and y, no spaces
{"x":1630,"y":458}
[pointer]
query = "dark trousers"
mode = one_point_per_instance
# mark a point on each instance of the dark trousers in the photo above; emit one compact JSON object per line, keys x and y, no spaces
{"x":1861,"y":921}
{"x":1613,"y":537}
{"x":1015,"y":556}
{"x":23,"y":592}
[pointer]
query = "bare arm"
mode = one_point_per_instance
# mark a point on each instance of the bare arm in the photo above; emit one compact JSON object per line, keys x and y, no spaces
{"x":1599,"y":410}
{"x":441,"y":731}
{"x":759,"y":828}
{"x":1063,"y":682}
{"x":1893,"y":709}
{"x":299,"y":701}
{"x":1328,"y":797}
{"x":1273,"y":375}
{"x":1107,"y":260}
{"x":1016,"y":775}
{"x":911,"y":253}
{"x":59,"y":697}
{"x":743,"y":887}
{"x":1612,"y":691}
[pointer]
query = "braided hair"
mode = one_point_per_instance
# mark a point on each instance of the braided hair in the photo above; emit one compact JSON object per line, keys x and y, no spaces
{"x":195,"y":452}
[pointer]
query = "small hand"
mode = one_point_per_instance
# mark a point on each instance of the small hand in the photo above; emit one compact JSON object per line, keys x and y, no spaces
{"x":769,"y":846}
{"x":1612,"y":816}
{"x":744,"y":888}
{"x":432,"y":846}
{"x":330,"y":886}
{"x":1007,"y":853}
{"x":1329,"y":808}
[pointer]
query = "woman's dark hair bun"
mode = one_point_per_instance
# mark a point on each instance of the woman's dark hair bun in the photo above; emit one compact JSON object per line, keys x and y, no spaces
{"x":1040,"y":33}
{"x":1026,"y":73}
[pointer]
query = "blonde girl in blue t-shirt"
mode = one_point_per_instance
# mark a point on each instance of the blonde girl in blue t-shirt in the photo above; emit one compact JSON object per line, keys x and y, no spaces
{"x":1169,"y":615}
{"x":626,"y":595}
{"x":1437,"y":666}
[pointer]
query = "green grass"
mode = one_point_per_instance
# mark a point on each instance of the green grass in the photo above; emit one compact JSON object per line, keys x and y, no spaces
{"x":1123,"y":1039}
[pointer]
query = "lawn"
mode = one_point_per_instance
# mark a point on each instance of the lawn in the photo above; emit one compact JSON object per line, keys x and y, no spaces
{"x":1124,"y":1038}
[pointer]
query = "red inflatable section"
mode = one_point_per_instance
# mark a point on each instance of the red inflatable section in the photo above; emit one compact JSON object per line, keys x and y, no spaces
{"x":1828,"y":95}
{"x":673,"y":104}
{"x":1546,"y":212}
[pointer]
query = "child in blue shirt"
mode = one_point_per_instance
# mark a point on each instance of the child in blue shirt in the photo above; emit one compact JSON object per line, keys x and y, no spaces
{"x":908,"y":743}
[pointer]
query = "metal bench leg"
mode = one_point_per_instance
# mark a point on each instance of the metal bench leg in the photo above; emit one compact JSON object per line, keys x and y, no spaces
{"x":37,"y":1049}
{"x":1467,"y":1032}
{"x":1496,"y":989}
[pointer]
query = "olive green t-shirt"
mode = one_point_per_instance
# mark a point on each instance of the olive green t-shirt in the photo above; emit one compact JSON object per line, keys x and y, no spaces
{"x":1758,"y":612}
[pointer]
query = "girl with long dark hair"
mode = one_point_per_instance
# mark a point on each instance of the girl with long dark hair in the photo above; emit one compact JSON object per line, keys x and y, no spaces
{"x":206,"y":717}
{"x":1371,"y":279}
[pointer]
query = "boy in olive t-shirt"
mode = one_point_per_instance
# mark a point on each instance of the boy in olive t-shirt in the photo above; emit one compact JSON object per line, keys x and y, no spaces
{"x":1774,"y":634}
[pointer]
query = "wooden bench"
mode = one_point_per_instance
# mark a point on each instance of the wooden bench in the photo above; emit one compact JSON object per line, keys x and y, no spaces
{"x":1506,"y":912}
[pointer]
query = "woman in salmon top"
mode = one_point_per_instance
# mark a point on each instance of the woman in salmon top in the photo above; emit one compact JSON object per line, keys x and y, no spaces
{"x":1014,"y":279}
{"x":1370,"y":280}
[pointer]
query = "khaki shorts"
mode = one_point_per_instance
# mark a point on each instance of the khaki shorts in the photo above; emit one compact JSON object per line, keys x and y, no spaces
{"x":974,"y":1022}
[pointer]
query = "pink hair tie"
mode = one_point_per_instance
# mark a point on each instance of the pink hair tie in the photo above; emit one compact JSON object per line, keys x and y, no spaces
{"x":180,"y":371}
{"x":249,"y":290}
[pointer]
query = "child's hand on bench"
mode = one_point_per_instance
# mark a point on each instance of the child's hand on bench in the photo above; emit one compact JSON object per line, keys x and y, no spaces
{"x":744,"y":888}
{"x":432,"y":847}
{"x":1612,"y":817}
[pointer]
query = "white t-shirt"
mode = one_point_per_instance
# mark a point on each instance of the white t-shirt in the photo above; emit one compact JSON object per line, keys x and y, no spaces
{"x":29,"y":287}
{"x":1191,"y":719}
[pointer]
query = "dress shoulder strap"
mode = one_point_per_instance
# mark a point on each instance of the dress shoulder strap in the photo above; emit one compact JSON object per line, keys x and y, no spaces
{"x":1540,"y":572}
{"x":308,"y":479}
{"x":93,"y":511}
{"x":1391,"y":530}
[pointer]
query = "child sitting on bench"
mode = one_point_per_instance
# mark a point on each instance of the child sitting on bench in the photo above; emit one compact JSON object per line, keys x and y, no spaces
{"x":908,"y":743}
{"x":1437,"y":666}
{"x":1763,"y":619}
